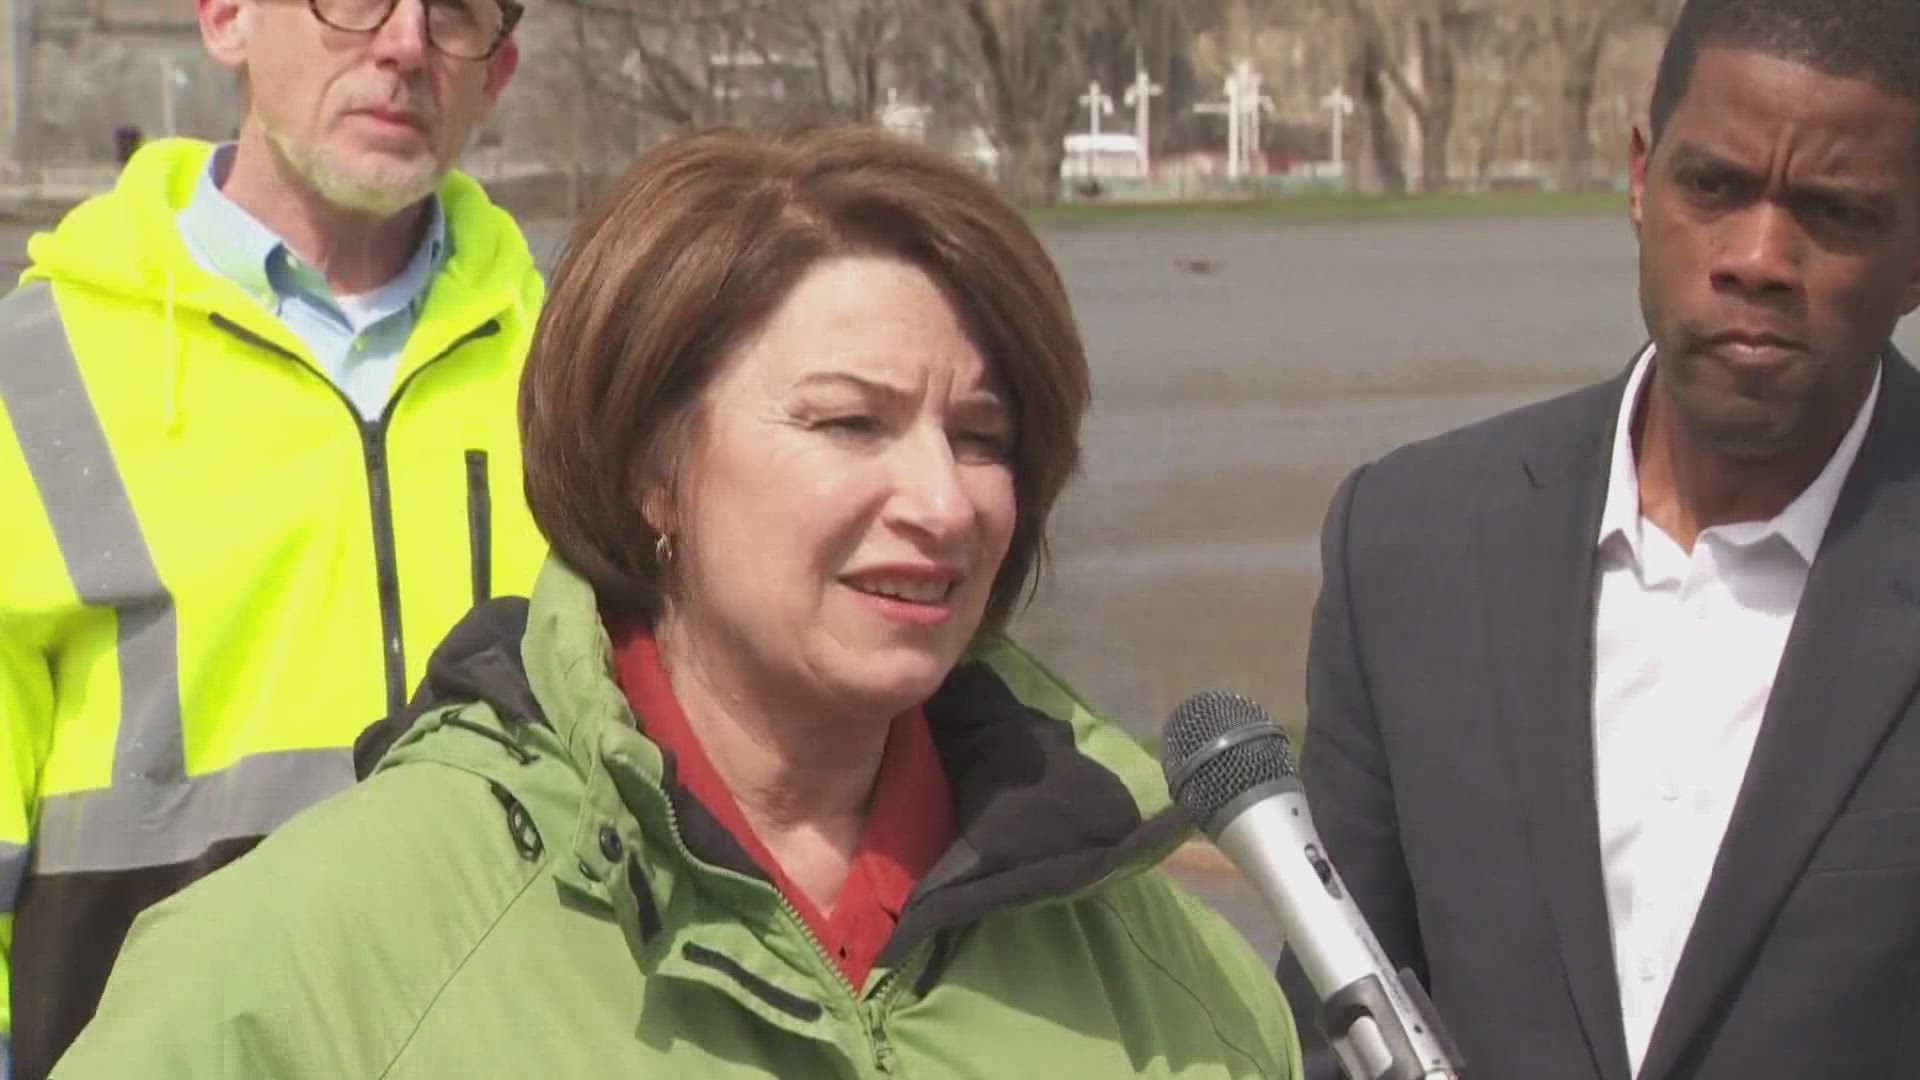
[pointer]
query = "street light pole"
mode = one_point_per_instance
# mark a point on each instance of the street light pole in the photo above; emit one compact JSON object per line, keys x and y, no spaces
{"x":1138,"y":95}
{"x":1253,"y":101}
{"x":1341,"y":106}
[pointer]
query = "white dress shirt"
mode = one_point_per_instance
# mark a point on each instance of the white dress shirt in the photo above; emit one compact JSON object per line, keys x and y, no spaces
{"x":1686,"y":645}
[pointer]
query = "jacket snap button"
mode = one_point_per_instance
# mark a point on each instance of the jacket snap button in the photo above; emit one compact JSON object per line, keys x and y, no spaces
{"x":610,"y":845}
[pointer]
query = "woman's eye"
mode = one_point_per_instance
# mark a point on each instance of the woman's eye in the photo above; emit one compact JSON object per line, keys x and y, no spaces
{"x":855,"y":424}
{"x":995,"y":444}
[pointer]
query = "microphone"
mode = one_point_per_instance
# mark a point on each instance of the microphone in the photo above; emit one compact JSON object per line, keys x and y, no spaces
{"x":1231,"y":768}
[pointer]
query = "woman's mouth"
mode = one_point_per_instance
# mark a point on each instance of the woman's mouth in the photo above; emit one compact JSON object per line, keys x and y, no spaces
{"x":910,"y":589}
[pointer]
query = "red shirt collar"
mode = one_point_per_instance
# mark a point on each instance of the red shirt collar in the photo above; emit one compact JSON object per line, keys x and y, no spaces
{"x":909,"y":822}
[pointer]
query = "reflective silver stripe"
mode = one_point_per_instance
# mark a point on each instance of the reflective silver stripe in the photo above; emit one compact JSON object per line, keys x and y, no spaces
{"x":153,"y":814}
{"x":138,"y":823}
{"x":13,"y":871}
{"x":66,"y":450}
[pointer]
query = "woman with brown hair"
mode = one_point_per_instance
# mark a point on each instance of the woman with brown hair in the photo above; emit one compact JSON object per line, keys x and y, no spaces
{"x":753,"y":785}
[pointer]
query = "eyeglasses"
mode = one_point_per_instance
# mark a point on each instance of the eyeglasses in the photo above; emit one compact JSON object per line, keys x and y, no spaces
{"x":466,"y":29}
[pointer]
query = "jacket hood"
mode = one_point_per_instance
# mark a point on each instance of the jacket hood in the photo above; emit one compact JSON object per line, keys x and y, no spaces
{"x":125,"y":246}
{"x":1049,"y":798}
{"x":125,"y":241}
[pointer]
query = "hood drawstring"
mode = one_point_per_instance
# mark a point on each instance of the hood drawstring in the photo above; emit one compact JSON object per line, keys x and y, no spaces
{"x":175,"y":368}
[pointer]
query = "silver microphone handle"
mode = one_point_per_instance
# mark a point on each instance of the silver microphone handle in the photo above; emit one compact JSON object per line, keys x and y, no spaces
{"x":1377,"y":1019}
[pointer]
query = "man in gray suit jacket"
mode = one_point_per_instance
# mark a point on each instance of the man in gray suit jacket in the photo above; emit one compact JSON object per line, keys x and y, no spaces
{"x":1612,"y":715}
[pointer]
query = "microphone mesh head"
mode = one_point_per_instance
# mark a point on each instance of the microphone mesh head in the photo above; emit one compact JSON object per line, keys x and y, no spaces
{"x":1218,"y":746}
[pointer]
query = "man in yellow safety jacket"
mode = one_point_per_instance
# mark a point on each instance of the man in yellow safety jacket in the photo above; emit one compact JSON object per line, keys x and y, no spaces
{"x":257,"y":455}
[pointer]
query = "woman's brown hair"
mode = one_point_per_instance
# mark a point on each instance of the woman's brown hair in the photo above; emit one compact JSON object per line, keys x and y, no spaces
{"x":693,"y":250}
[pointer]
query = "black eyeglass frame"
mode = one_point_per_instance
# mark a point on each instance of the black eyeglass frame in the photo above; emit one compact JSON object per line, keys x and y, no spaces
{"x":510,"y":13}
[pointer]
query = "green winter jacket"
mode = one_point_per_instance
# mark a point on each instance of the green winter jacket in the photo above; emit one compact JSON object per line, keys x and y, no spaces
{"x":522,"y":890}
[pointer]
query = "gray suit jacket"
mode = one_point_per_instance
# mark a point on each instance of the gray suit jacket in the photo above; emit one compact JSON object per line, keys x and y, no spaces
{"x":1449,"y":763}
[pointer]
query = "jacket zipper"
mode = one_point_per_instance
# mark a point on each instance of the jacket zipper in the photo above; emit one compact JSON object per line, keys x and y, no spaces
{"x":872,"y":1009}
{"x":881,"y":1048}
{"x":882,"y":1007}
{"x":480,"y":526}
{"x":373,"y":436}
{"x":886,"y":993}
{"x":877,"y":1043}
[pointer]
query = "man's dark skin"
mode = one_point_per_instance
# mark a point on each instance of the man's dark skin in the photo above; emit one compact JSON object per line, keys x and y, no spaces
{"x":1779,"y":223}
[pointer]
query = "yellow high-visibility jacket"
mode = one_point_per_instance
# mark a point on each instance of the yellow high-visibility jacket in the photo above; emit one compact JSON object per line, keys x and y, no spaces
{"x":213,"y":572}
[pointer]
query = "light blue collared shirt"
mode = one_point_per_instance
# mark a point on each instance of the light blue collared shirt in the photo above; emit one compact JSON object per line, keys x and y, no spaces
{"x":355,"y":339}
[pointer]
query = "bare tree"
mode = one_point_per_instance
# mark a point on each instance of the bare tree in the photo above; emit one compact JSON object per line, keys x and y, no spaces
{"x":687,"y":64}
{"x":1458,"y":68}
{"x":623,"y":73}
{"x":1030,"y":61}
{"x":853,"y":46}
{"x":1576,"y":33}
{"x":1511,"y":41}
{"x":1370,"y":64}
{"x":665,"y":59}
{"x":1017,"y":50}
{"x":1416,"y":47}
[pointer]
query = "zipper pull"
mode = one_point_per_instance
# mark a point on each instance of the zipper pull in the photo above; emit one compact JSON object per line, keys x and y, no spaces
{"x":883,"y":1053}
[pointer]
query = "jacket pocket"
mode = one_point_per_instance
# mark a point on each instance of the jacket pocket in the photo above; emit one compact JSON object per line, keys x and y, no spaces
{"x":479,"y":526}
{"x":1882,"y":838}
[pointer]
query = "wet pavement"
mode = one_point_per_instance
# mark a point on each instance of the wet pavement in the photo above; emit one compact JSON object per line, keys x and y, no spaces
{"x":1239,"y":373}
{"x":1230,"y":402}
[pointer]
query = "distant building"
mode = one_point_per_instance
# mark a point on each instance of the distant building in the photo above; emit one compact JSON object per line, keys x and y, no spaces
{"x":1106,"y":156}
{"x":11,"y":75}
{"x":75,"y":72}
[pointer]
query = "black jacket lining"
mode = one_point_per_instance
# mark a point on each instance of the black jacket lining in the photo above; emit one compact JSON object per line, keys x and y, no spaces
{"x":478,"y":661}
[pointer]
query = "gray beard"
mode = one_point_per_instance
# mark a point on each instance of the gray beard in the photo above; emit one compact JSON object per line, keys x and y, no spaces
{"x":351,"y":193}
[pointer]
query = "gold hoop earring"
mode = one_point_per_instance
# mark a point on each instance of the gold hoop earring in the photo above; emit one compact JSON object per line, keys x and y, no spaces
{"x":663,"y":550}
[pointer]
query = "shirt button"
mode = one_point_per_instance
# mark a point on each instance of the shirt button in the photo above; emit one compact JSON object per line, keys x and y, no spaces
{"x":610,"y":845}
